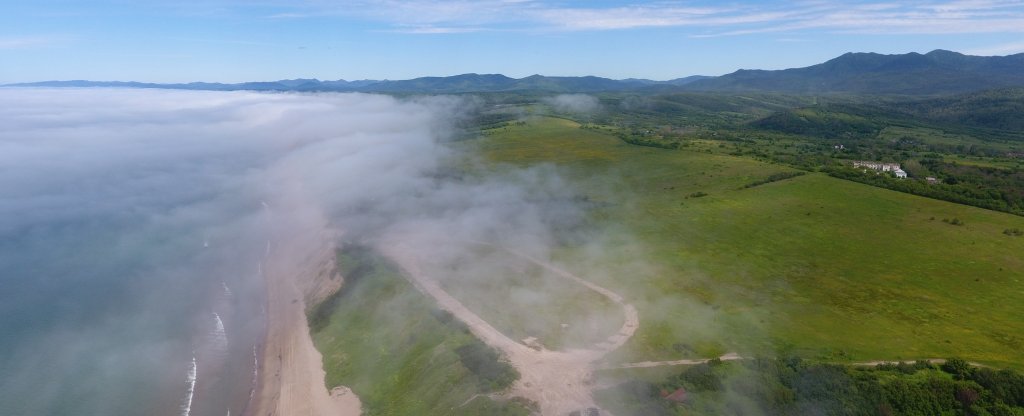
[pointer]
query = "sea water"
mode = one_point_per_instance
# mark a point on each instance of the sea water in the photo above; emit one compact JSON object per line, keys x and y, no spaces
{"x":113,"y":316}
{"x":134,"y":225}
{"x":129,"y":282}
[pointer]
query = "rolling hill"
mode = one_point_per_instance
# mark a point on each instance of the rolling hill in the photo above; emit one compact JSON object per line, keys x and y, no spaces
{"x":937,"y":72}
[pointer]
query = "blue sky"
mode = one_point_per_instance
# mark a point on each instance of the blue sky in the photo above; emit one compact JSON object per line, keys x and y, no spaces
{"x":235,"y":40}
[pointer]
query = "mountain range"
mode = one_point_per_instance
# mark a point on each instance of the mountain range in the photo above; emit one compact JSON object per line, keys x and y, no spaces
{"x":935,"y":73}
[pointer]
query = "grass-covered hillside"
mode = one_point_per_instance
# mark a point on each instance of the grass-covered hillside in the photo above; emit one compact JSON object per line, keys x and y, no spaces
{"x":793,"y":386}
{"x":809,"y":265}
{"x":392,"y":346}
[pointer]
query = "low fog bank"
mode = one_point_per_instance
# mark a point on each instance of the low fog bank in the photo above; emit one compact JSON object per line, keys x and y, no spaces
{"x":574,"y":103}
{"x":137,"y":220}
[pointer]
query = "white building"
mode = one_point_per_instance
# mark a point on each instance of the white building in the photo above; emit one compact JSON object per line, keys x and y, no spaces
{"x":900,"y":173}
{"x":879,"y":166}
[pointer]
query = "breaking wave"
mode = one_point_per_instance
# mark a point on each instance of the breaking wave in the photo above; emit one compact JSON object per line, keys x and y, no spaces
{"x":186,"y":407}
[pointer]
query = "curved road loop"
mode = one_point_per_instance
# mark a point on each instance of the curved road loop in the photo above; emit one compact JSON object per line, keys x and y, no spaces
{"x":557,"y":381}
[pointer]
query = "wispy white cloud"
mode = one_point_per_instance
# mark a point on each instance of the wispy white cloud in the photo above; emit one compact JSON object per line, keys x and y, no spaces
{"x":224,"y":41}
{"x":1000,"y":49}
{"x":463,"y":16}
{"x":29,"y":42}
{"x":648,"y":17}
{"x":963,"y":17}
{"x":460,"y":16}
{"x":436,"y":30}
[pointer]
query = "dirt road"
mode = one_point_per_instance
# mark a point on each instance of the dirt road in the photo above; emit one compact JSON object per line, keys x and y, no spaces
{"x":648,"y":364}
{"x":557,"y":381}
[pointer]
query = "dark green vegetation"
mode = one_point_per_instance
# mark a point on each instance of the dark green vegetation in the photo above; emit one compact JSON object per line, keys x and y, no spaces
{"x":937,"y":72}
{"x":775,"y":177}
{"x":757,"y":245}
{"x":991,"y":188}
{"x":812,"y":265}
{"x":398,"y":352}
{"x":796,"y":387}
{"x":970,"y":146}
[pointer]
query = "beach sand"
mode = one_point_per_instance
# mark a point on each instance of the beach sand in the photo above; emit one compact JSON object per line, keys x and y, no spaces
{"x":291,"y":375}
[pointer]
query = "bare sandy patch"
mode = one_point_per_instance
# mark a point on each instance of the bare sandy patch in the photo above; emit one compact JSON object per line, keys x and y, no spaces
{"x":559,"y":382}
{"x":291,"y":375}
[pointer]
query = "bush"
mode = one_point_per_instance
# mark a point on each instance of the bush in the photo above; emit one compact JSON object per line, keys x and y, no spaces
{"x":775,"y":177}
{"x":492,"y":373}
{"x":959,"y":368}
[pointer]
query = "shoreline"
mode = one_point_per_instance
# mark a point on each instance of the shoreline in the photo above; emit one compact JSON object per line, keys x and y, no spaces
{"x":290,"y":378}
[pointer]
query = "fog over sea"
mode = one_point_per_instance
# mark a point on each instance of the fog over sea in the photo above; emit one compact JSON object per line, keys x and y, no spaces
{"x":135,"y":223}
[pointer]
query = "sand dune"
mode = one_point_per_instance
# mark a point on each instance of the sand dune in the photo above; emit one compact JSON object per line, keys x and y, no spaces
{"x":291,"y":380}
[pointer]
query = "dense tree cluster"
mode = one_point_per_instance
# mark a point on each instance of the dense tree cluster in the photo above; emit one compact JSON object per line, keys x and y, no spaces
{"x":1006,"y":196}
{"x":796,"y":387}
{"x":775,"y":177}
{"x":485,"y":363}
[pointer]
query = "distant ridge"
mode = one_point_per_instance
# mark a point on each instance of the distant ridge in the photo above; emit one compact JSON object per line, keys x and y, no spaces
{"x":938,"y":72}
{"x":282,"y":85}
{"x":934,"y":73}
{"x":465,"y":83}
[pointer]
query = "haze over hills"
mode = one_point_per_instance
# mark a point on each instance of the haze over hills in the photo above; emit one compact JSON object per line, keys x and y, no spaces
{"x":464,"y":83}
{"x":934,"y":73}
{"x":938,"y":72}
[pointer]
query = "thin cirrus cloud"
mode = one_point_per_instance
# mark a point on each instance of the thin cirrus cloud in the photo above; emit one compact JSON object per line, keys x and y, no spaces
{"x":458,"y":16}
{"x":1000,"y":49}
{"x":28,"y":42}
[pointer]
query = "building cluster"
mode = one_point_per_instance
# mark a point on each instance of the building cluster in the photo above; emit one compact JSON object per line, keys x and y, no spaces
{"x":881,"y":167}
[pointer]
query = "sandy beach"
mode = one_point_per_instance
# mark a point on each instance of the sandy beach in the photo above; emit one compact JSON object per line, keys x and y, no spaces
{"x":291,"y":375}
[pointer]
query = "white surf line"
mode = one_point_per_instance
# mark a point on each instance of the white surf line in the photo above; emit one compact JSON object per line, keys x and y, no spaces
{"x":186,"y":408}
{"x":220,"y":333}
{"x":255,"y":375}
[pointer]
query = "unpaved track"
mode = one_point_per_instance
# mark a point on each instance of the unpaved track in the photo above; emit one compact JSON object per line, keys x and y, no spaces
{"x":557,"y":381}
{"x":629,"y":324}
{"x":648,"y":364}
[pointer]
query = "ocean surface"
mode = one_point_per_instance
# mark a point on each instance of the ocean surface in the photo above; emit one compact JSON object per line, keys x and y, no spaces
{"x":130,"y":279}
{"x":134,"y":225}
{"x":105,"y":312}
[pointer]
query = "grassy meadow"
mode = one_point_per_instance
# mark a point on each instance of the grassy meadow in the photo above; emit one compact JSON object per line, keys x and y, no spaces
{"x":810,"y":265}
{"x":525,"y":300}
{"x":398,"y":352}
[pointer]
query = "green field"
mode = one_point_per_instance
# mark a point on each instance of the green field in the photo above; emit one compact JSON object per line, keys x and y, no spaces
{"x":794,"y":386}
{"x":398,"y":352}
{"x":522,"y":299}
{"x":811,"y":265}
